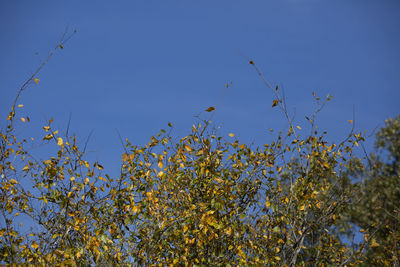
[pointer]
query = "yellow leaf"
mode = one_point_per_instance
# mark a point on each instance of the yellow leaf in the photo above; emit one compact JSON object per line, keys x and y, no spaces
{"x":374,"y":244}
{"x":87,"y":180}
{"x":72,"y":179}
{"x":46,"y":128}
{"x":36,"y":80}
{"x":20,"y":105}
{"x":160,"y":164}
{"x":135,"y":209}
{"x":26,"y":168}
{"x":60,"y":141}
{"x":326,"y":164}
{"x":267,"y":204}
{"x":277,"y":258}
{"x":34,"y":245}
{"x":218,"y":180}
{"x":23,"y":119}
{"x":302,"y":207}
{"x":210,"y":109}
{"x":298,"y":127}
{"x":229,"y":231}
{"x":13,"y":181}
{"x":231,"y":135}
{"x":350,"y":121}
{"x":274,"y":103}
{"x":124,"y":157}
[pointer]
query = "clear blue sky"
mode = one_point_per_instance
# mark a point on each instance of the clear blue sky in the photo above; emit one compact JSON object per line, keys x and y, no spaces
{"x":136,"y":65}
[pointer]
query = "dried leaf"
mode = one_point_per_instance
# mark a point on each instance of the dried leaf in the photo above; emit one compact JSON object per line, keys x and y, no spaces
{"x":210,"y":109}
{"x":48,"y":137}
{"x":100,"y":167}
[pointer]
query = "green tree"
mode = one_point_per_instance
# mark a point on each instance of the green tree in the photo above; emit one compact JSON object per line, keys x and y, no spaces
{"x":378,"y":202}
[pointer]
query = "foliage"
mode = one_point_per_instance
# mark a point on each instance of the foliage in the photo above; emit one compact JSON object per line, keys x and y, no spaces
{"x":203,"y":199}
{"x":378,"y":197}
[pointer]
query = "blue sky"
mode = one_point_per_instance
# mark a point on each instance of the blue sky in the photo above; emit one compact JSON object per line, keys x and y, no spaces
{"x":136,"y":65}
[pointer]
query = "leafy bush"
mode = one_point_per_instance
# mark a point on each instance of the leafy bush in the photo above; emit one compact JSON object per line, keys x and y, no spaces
{"x":202,"y":200}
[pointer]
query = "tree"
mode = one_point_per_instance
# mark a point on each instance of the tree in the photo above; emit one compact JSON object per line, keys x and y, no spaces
{"x":203,"y":199}
{"x":378,"y":208}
